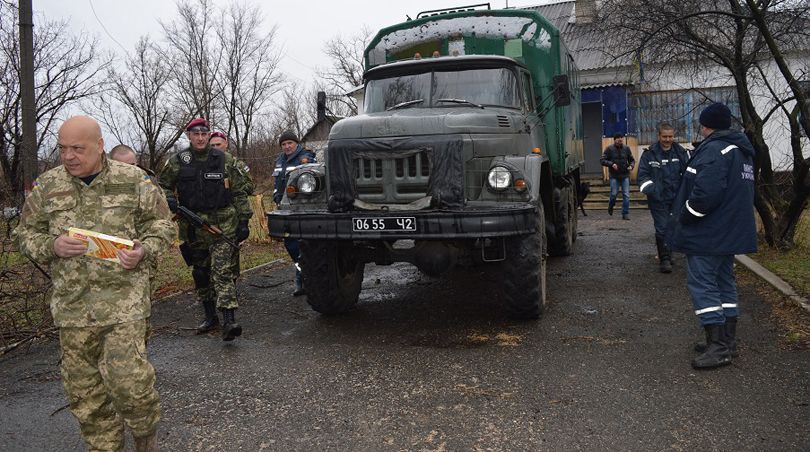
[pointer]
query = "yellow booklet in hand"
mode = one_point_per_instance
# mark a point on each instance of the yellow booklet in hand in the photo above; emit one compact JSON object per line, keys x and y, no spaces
{"x":99,"y":245}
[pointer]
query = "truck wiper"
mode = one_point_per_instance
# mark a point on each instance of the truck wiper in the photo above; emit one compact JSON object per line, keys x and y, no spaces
{"x":404,"y":104}
{"x":461,"y":101}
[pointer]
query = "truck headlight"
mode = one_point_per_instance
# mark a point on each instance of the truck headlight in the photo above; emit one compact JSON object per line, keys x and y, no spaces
{"x":307,"y":183}
{"x":499,"y":178}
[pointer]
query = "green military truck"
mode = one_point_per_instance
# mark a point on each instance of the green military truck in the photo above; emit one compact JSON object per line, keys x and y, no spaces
{"x":467,"y":153}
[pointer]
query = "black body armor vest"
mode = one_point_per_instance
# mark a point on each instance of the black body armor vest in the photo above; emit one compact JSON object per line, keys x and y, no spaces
{"x":201,"y":183}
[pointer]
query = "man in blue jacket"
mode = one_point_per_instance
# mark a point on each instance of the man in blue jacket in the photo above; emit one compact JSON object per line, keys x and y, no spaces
{"x":292,"y":155}
{"x":659,"y":175}
{"x":713,"y":219}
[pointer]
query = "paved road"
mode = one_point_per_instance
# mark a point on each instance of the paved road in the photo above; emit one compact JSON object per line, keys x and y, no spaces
{"x":427,"y":364}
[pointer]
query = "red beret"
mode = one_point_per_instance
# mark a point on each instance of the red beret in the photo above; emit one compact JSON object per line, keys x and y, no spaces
{"x":197,"y":122}
{"x":219,"y":134}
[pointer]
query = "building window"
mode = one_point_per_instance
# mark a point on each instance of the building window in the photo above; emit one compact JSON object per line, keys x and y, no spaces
{"x":681,"y":109}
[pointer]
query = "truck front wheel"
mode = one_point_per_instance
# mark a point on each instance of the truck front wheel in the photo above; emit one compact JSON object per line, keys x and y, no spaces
{"x":566,"y":226}
{"x":524,"y":272}
{"x":332,"y":277}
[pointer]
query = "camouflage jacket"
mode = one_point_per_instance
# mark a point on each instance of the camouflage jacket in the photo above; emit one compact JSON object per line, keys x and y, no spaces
{"x":121,"y":201}
{"x":237,"y":178}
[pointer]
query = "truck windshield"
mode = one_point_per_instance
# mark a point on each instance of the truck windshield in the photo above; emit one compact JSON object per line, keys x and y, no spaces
{"x":486,"y":87}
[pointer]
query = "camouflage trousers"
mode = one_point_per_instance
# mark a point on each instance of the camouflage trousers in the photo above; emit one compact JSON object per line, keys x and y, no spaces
{"x":109,"y":382}
{"x":216,"y":268}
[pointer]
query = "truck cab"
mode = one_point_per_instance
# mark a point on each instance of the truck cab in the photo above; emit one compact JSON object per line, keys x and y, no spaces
{"x":449,"y":165}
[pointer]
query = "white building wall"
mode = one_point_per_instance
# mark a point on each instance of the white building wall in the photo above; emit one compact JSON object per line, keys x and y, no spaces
{"x":777,"y":129}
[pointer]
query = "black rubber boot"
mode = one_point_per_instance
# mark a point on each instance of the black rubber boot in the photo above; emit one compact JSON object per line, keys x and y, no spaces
{"x":717,"y":353}
{"x":730,"y":331}
{"x":299,"y":285}
{"x":211,"y":321}
{"x":230,"y":329}
{"x":664,"y":256}
{"x":611,"y":203}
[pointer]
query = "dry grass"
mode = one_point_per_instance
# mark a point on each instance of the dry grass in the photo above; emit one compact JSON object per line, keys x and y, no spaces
{"x":794,"y":320}
{"x":793,"y":266}
{"x":174,"y":276}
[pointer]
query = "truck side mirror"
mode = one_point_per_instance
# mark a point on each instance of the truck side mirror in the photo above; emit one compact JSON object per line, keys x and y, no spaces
{"x":562,"y":92}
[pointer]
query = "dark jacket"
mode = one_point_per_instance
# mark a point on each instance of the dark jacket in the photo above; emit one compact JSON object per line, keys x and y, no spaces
{"x":713,"y":213}
{"x":286,"y":164}
{"x":660,"y":171}
{"x":622,"y":157}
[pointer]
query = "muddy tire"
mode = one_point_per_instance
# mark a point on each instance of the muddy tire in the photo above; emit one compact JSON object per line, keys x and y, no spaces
{"x":565,"y":227}
{"x":524,"y":273}
{"x":332,"y":278}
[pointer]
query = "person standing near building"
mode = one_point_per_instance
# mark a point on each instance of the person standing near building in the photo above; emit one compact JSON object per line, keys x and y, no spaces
{"x":101,"y":307}
{"x":215,"y":186}
{"x":659,"y":176}
{"x":292,"y":155}
{"x":713,"y":219}
{"x":619,"y":160}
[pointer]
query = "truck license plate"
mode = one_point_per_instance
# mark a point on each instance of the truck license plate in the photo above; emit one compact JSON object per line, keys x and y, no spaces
{"x":384,"y":224}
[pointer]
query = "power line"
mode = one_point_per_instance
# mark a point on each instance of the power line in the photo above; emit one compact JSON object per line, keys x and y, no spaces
{"x":92,"y":8}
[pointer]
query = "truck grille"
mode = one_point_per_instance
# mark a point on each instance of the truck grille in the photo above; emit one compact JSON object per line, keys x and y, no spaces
{"x":392,"y":180}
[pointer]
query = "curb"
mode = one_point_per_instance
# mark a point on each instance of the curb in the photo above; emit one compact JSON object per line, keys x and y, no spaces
{"x":775,"y":281}
{"x":251,"y":269}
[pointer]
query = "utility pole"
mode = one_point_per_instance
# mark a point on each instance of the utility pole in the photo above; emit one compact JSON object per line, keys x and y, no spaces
{"x":29,"y":121}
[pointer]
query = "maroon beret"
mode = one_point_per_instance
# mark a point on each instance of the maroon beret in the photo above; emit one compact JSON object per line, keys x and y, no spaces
{"x":197,"y":122}
{"x":219,"y":134}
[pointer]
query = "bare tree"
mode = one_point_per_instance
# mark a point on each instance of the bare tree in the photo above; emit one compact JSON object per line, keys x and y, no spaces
{"x":741,"y":38}
{"x":248,"y":77}
{"x":295,"y":111}
{"x":195,"y":58}
{"x":345,"y":72}
{"x":67,"y":68}
{"x":137,"y":107}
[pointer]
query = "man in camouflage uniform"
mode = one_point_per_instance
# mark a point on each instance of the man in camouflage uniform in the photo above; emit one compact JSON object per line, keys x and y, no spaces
{"x":214,"y":185}
{"x":125,"y":154}
{"x":101,"y":307}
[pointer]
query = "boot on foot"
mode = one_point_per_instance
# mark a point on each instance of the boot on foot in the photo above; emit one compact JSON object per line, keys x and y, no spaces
{"x":230,"y":329}
{"x":717,"y":353}
{"x":211,"y":321}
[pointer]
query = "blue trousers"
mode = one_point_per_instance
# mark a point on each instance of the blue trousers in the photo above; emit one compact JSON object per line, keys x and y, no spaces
{"x":660,"y":216}
{"x":711,"y":284}
{"x":294,"y":250}
{"x":614,"y":191}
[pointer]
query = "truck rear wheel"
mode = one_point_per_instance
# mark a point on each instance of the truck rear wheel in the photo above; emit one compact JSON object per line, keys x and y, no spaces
{"x":524,"y":272}
{"x":332,"y":277}
{"x":565,"y":227}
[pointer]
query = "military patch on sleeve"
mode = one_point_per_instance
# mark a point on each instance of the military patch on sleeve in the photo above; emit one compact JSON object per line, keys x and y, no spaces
{"x":147,"y":179}
{"x":35,"y":185}
{"x":185,"y":157}
{"x":120,"y":189}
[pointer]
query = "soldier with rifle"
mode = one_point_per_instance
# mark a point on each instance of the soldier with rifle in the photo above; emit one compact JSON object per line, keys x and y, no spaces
{"x":209,"y":190}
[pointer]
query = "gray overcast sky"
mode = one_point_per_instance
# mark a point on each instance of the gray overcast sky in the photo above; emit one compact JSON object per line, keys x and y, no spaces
{"x":303,"y":26}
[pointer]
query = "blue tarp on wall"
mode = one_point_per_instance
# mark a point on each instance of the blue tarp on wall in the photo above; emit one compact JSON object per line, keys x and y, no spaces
{"x":615,"y":111}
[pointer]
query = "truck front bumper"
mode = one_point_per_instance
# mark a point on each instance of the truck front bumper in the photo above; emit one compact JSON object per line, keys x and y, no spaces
{"x":429,"y":224}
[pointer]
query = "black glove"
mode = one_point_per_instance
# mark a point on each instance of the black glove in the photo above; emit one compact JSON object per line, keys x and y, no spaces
{"x":242,"y":231}
{"x":277,"y":197}
{"x":172,"y":204}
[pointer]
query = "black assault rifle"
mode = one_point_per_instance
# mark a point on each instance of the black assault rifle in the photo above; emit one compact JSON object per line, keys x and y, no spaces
{"x":198,"y":222}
